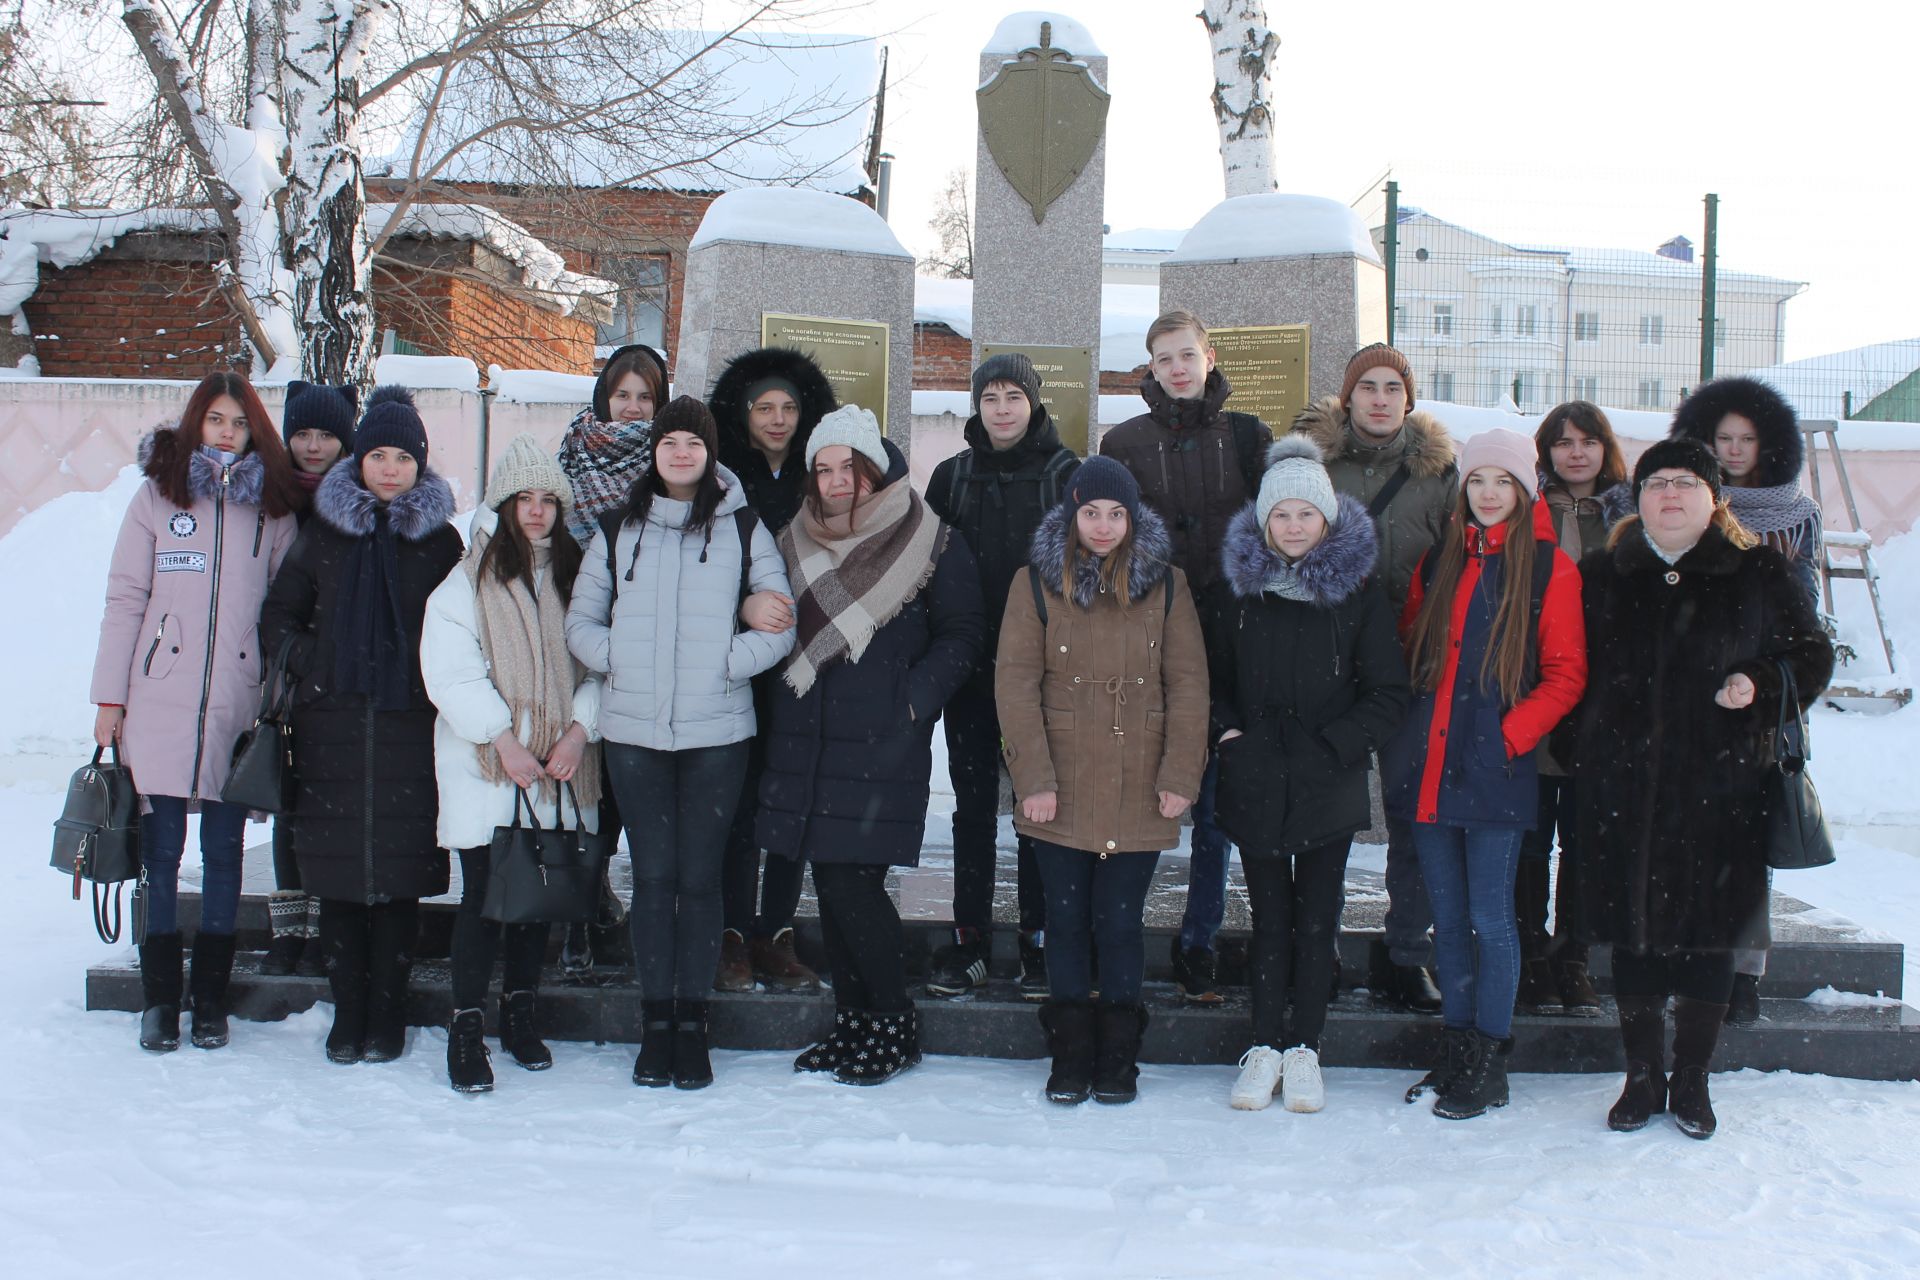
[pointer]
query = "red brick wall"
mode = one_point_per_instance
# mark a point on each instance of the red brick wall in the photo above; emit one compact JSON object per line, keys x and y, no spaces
{"x":117,"y":318}
{"x":447,"y":316}
{"x":942,"y":359}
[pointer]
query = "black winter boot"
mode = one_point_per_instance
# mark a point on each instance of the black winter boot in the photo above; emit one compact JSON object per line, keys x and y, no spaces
{"x":1454,"y":1043}
{"x":653,"y":1068}
{"x":1643,"y":1034}
{"x":692,"y":1068}
{"x":1033,"y":966}
{"x":1743,"y":1007}
{"x":1072,"y":1039}
{"x":391,"y":929}
{"x":212,"y":971}
{"x":160,"y":987}
{"x":1118,"y":1030}
{"x":517,"y":1034}
{"x":881,"y":1046}
{"x":960,"y":967}
{"x":343,"y":942}
{"x":1577,"y":996}
{"x":1696,"y":1030}
{"x":827,"y":1054}
{"x":467,"y":1068}
{"x":1400,"y":986}
{"x":1537,"y":992}
{"x":287,"y":913}
{"x":1482,"y":1083}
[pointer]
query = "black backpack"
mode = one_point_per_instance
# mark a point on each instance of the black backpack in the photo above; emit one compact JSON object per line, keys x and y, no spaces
{"x":743,"y":520}
{"x":963,"y":494}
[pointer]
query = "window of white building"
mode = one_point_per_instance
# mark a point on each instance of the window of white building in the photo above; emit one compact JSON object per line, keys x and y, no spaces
{"x":1586,"y":389}
{"x":1443,"y":319}
{"x":1493,"y":320}
{"x":1443,"y":384}
{"x":1651,"y":396}
{"x":1496,"y":386}
{"x":1652,"y":331}
{"x":1586,"y":326}
{"x":1524,"y":320}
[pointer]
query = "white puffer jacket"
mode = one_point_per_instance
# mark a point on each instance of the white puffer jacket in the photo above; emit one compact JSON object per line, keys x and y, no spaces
{"x":472,"y":712}
{"x":678,"y":665}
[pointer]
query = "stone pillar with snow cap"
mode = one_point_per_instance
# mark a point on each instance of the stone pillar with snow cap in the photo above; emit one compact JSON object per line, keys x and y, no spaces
{"x":1039,"y":189}
{"x":791,"y":252}
{"x":1276,"y":259}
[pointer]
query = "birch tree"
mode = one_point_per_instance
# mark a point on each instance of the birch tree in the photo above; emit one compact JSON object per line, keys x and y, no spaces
{"x":1243,"y":48}
{"x":952,"y":221}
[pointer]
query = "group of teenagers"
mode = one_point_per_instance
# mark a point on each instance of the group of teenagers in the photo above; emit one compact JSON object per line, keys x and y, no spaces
{"x":726,"y":629}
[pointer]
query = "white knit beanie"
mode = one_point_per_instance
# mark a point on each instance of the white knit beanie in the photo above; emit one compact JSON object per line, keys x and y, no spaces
{"x":524,"y":466}
{"x":854,"y":427}
{"x":1296,"y":469}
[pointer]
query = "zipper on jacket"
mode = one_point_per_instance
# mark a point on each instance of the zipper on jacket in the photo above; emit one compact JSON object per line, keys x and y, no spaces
{"x":259,"y":528}
{"x":1166,"y":477}
{"x":366,"y":805}
{"x":159,"y":634}
{"x":213,"y":629}
{"x":1220,"y":463}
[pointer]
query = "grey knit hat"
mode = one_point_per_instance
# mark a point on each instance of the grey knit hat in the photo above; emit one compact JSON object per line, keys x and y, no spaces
{"x":1009,"y":367}
{"x":525,"y":466}
{"x":1296,"y":469}
{"x":854,"y":427}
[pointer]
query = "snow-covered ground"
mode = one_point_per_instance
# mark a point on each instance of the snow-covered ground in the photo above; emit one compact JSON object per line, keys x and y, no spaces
{"x":264,"y":1160}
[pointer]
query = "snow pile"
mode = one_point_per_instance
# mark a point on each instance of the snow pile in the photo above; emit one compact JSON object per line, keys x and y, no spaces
{"x":1019,"y":32}
{"x":452,"y":373}
{"x":29,"y":367}
{"x":1830,"y":998}
{"x":947,"y":302}
{"x":1818,"y":386}
{"x":1155,"y":240}
{"x":61,"y":238}
{"x":1126,"y":312}
{"x":542,"y":270}
{"x":539,"y":386}
{"x":798,"y":217}
{"x":1275,"y":225}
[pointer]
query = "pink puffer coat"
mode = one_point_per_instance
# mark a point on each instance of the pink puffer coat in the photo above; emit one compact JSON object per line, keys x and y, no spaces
{"x":179,"y":644}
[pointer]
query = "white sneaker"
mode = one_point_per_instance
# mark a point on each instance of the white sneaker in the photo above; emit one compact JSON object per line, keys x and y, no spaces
{"x":1259,"y":1077}
{"x":1300,"y":1083}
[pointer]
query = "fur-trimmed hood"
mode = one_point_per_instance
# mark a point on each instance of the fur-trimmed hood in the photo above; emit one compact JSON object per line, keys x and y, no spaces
{"x":1152,"y":556}
{"x":1782,"y":450}
{"x":728,"y":400}
{"x":246,"y":482}
{"x":1429,"y":449}
{"x":602,"y":407}
{"x":1330,"y":573}
{"x":349,"y":506}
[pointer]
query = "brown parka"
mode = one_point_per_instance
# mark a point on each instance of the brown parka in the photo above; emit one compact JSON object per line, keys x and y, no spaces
{"x":1105,"y":706}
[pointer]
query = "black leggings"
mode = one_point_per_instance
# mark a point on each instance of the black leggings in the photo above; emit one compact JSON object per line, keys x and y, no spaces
{"x":973,"y":761}
{"x":286,"y":867}
{"x":861,"y":929}
{"x":741,"y":876}
{"x":477,"y":940}
{"x":1091,"y":899}
{"x":1296,"y":916}
{"x":678,"y":805}
{"x":1706,"y":976}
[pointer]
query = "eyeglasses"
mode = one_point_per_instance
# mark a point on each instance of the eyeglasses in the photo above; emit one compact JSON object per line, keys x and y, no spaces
{"x":1679,"y":484}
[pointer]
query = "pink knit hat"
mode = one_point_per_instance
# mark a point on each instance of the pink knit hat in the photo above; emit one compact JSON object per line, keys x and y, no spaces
{"x":1500,"y":447}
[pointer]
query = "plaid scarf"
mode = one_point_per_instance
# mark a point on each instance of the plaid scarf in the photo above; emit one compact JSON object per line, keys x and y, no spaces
{"x":846,"y":586}
{"x":603,"y":459}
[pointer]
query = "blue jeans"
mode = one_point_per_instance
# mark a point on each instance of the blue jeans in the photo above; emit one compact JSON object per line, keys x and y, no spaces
{"x":1091,"y":899}
{"x":163,"y":838}
{"x":1206,"y":867}
{"x":1469,"y":873}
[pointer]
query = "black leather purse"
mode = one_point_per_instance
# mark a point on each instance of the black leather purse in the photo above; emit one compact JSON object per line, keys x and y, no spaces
{"x":541,"y":875}
{"x":97,"y":836}
{"x":261,"y":776}
{"x":1797,"y":835}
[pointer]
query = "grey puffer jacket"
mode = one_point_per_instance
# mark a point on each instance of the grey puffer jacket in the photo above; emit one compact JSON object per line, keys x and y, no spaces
{"x":668,"y":639}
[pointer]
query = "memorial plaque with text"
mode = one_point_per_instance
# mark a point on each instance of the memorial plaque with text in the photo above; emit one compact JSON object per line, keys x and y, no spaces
{"x":852,"y":353}
{"x":1267,"y":365}
{"x":1065,"y":377}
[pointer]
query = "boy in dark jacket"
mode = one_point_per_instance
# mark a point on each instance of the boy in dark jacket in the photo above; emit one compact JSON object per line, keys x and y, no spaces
{"x":1196,"y":465}
{"x":995,"y":493}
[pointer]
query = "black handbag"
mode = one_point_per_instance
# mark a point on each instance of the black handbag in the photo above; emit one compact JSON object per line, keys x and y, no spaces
{"x":1797,"y":835}
{"x":541,"y":875}
{"x":97,"y":836}
{"x":261,"y":776}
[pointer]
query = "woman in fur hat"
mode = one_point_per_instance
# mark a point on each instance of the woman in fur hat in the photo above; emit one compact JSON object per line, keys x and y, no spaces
{"x":517,"y":717}
{"x":1308,"y":680}
{"x":176,"y":679}
{"x":352,"y":595}
{"x":1101,"y":687}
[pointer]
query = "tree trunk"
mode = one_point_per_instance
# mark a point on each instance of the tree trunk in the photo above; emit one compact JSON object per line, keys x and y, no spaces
{"x":324,"y":217}
{"x":1243,"y":48}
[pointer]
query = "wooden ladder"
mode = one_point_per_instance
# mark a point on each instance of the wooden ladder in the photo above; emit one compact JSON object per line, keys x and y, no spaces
{"x":1855,"y":543}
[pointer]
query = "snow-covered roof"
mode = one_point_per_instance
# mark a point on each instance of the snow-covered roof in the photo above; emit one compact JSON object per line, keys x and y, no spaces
{"x":65,"y":238}
{"x":1018,"y":31}
{"x":1638,"y":263}
{"x":1126,"y":311}
{"x":818,"y":87}
{"x":1818,"y":386}
{"x":1275,"y":225}
{"x":1143,"y":240}
{"x":792,"y":215}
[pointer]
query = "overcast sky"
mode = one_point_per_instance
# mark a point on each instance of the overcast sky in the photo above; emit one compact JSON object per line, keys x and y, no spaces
{"x":1601,"y":125}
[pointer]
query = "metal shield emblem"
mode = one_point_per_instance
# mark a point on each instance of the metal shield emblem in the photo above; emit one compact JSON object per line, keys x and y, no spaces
{"x":1042,"y":117}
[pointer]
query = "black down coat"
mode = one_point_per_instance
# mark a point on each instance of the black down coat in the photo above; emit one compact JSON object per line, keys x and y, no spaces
{"x":773,"y":498}
{"x":1669,"y":807}
{"x":848,"y":762}
{"x":1314,"y":686}
{"x":365,"y":802}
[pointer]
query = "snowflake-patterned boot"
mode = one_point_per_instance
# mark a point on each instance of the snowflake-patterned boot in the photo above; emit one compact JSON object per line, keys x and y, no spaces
{"x":881,"y":1046}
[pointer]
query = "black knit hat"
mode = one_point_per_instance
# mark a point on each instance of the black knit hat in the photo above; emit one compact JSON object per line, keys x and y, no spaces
{"x":391,"y":422}
{"x":317,"y":407}
{"x":1682,"y":453}
{"x":685,"y":413}
{"x":1102,"y":479}
{"x":1009,"y":367}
